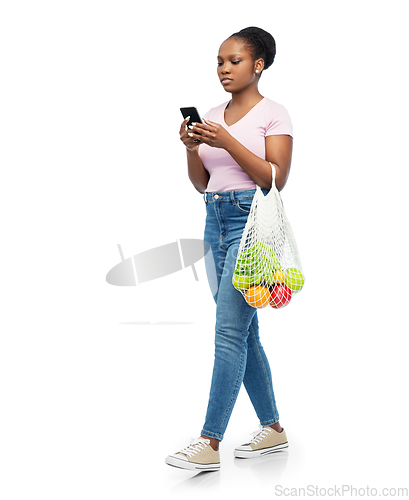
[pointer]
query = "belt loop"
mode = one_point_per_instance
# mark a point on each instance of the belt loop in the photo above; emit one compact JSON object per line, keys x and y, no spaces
{"x":232,"y":199}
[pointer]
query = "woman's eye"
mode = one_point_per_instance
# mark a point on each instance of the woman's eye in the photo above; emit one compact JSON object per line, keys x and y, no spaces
{"x":235,"y":62}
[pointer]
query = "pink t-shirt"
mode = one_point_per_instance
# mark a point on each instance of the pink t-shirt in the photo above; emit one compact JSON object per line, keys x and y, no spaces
{"x":265,"y":118}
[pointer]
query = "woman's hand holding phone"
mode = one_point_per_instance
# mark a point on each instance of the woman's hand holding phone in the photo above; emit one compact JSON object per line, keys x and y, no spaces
{"x":194,"y":131}
{"x":212,"y":134}
{"x":187,"y":137}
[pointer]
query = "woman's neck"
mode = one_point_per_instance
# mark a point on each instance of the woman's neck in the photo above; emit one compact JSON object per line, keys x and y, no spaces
{"x":246,"y":98}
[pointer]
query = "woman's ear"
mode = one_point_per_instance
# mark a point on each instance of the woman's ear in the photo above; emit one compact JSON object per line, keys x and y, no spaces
{"x":258,"y":66}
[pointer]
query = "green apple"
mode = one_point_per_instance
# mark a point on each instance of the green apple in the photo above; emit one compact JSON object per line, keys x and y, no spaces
{"x":241,"y":281}
{"x":294,"y":279}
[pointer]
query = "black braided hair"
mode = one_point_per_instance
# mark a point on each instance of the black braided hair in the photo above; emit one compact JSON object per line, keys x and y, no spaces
{"x":260,"y":44}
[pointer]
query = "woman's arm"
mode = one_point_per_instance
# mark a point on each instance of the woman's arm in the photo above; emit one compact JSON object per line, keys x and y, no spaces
{"x":198,"y":175}
{"x":279,"y":149}
{"x":278,"y":152}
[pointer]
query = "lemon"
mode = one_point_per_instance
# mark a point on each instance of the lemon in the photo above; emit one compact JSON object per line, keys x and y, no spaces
{"x":279,"y":277}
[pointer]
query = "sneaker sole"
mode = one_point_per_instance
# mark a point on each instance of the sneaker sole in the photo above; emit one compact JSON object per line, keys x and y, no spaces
{"x":183,"y":464}
{"x":259,"y":453}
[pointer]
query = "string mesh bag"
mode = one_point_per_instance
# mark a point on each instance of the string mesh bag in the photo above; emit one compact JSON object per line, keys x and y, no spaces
{"x":268,"y":269}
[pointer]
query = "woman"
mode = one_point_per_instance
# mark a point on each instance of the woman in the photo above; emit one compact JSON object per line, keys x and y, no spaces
{"x":227,"y":156}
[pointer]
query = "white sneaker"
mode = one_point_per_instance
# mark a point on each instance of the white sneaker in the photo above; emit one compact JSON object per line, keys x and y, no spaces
{"x":265,"y":441}
{"x":199,"y":455}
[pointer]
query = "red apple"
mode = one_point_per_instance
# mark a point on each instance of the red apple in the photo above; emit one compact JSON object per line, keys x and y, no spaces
{"x":280,"y":296}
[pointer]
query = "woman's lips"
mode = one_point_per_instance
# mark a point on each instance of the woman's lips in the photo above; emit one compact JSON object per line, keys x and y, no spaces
{"x":225,"y":81}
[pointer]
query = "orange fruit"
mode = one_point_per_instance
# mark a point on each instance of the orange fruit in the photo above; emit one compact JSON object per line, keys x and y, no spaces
{"x":258,"y":296}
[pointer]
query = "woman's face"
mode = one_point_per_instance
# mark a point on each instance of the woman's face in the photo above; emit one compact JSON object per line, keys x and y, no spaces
{"x":235,"y":66}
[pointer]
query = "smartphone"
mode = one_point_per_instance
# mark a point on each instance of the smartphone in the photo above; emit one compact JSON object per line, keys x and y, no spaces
{"x":193,"y":113}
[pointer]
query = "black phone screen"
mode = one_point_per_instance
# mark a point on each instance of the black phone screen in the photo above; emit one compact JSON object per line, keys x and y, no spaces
{"x":193,"y":113}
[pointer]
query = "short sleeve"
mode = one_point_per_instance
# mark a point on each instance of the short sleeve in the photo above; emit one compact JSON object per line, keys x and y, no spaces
{"x":278,"y":121}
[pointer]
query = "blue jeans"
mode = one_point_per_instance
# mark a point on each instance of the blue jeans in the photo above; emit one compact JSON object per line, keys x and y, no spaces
{"x":239,"y":355}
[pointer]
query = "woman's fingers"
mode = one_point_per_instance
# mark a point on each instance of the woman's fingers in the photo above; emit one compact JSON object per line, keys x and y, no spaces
{"x":197,"y":133}
{"x":213,"y":124}
{"x":200,"y":127}
{"x":184,"y":133}
{"x":183,"y":126}
{"x":201,"y":130}
{"x":189,"y":139}
{"x":194,"y":137}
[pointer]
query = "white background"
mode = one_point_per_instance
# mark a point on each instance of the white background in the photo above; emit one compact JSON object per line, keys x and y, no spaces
{"x":92,"y":399}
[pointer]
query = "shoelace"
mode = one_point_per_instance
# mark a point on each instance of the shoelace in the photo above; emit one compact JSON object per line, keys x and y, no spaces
{"x":259,"y":435}
{"x":195,"y":447}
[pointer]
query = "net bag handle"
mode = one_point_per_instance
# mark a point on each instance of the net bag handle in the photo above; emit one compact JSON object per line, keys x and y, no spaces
{"x":273,"y":175}
{"x":273,"y":188}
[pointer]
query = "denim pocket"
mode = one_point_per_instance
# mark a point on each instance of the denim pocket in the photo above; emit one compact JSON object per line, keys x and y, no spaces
{"x":244,"y":205}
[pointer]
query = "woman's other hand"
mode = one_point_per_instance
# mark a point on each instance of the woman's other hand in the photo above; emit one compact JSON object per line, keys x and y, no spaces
{"x":210,"y":133}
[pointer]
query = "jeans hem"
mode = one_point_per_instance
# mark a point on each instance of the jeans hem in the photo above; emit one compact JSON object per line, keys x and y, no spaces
{"x":269,"y":422}
{"x":213,"y":435}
